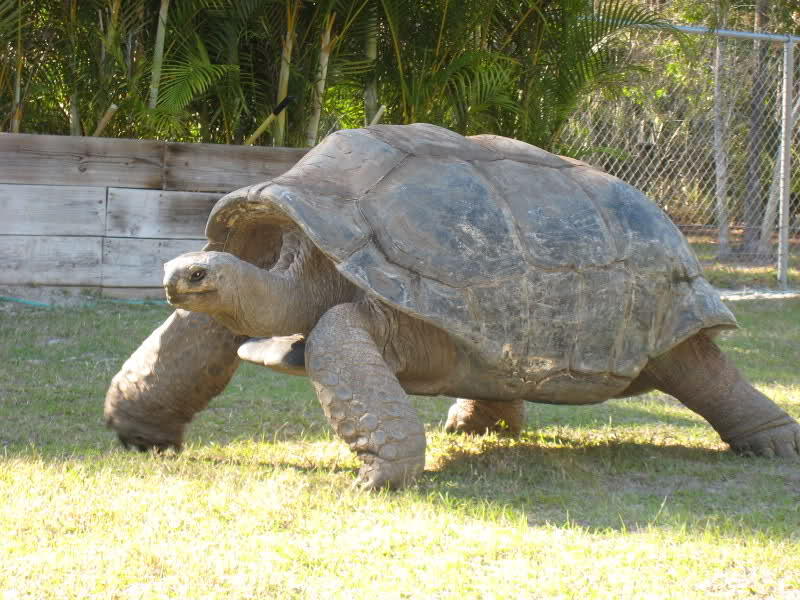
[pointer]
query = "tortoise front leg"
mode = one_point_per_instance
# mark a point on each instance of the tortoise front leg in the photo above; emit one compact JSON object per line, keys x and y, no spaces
{"x":481,"y":416}
{"x":363,"y":399}
{"x":173,"y":374}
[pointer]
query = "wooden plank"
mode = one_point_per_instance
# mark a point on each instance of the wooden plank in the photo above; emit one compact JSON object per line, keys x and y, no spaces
{"x":50,"y":260}
{"x":137,"y":262}
{"x":128,"y":293}
{"x":156,"y":214}
{"x":52,"y":210}
{"x":68,"y":160}
{"x":222,"y":168}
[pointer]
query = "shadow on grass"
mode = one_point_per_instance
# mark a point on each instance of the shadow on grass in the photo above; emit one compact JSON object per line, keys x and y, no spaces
{"x":622,"y":486}
{"x":598,"y":480}
{"x":562,"y":480}
{"x":56,"y":432}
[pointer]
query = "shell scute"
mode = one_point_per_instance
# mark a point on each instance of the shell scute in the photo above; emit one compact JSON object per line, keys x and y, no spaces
{"x":648,"y":237}
{"x":553,"y":319}
{"x":440,"y":304}
{"x":441,"y":219}
{"x":502,"y":310}
{"x":601,"y":299}
{"x":426,"y":140}
{"x":522,"y":152}
{"x":558,"y":223}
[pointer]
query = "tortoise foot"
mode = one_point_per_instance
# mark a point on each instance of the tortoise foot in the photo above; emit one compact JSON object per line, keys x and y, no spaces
{"x":479,"y":417}
{"x":377,"y":473}
{"x":782,"y":440}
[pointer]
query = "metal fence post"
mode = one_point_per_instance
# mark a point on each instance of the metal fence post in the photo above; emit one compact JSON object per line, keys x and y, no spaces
{"x":786,"y":163}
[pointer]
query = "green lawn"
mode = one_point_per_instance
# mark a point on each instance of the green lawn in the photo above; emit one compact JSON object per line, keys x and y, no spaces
{"x":629,"y":499}
{"x":735,"y":273}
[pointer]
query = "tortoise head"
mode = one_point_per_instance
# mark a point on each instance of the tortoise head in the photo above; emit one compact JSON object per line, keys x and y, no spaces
{"x":207,"y":282}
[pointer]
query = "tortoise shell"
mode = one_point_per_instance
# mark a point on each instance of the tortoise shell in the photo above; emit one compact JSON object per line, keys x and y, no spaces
{"x":539,"y":265}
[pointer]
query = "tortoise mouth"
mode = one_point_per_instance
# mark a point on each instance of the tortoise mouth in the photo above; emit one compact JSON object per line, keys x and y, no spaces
{"x":179,"y":299}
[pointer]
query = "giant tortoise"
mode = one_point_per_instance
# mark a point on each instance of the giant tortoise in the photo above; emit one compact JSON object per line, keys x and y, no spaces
{"x":417,"y":261}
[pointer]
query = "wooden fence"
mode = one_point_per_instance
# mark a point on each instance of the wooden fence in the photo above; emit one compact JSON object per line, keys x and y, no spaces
{"x":101,"y":215}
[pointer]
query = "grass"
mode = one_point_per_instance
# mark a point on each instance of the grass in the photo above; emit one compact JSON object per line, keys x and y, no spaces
{"x":735,"y":273}
{"x":629,"y":499}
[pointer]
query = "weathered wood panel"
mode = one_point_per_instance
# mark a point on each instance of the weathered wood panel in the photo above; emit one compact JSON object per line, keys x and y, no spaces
{"x":52,"y":210}
{"x":92,"y":214}
{"x":129,"y":293}
{"x":50,"y":260}
{"x":134,"y":262}
{"x":157,"y":214}
{"x":67,"y":160}
{"x":221,"y":168}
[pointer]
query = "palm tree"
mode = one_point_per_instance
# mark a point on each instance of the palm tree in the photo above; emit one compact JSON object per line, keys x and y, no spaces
{"x":514,"y":68}
{"x":510,"y":67}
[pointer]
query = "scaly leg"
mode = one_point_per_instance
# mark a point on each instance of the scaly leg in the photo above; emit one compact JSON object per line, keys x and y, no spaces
{"x":363,"y":399}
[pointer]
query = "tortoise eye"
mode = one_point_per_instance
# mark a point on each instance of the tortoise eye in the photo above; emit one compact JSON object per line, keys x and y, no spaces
{"x":197,"y":275}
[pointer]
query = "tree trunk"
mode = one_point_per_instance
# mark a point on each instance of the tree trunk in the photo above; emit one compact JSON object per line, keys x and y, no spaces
{"x":756,"y":137}
{"x":74,"y":114}
{"x":720,"y":154}
{"x":158,"y":53}
{"x":319,"y":85}
{"x":292,"y":10}
{"x":16,"y":108}
{"x":105,"y":120}
{"x":371,"y":51}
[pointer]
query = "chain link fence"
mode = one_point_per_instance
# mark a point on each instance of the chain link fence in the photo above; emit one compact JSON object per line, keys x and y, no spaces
{"x":699,"y":131}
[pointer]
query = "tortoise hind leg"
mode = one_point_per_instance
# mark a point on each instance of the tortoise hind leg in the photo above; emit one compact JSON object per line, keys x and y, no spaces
{"x":697,"y":373}
{"x":482,"y":416}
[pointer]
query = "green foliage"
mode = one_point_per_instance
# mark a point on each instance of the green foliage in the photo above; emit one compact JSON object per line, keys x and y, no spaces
{"x":514,"y":68}
{"x":10,"y":13}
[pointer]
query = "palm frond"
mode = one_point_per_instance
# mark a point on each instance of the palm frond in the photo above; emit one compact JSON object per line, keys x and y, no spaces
{"x":11,"y":18}
{"x":184,"y":81}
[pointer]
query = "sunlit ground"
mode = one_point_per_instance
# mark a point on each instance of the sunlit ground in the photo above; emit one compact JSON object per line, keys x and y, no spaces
{"x":628,"y":499}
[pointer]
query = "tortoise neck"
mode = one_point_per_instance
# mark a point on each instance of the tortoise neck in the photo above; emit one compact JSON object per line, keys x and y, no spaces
{"x":285,"y":300}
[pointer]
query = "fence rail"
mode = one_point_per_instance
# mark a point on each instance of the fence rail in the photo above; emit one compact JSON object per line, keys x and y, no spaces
{"x":147,"y":164}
